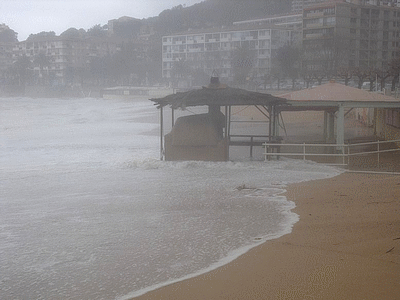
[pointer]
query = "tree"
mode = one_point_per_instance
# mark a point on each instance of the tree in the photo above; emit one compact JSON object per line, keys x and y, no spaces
{"x":42,"y":61}
{"x":45,"y":34}
{"x":99,"y":69}
{"x":242,"y":63}
{"x":276,"y":73}
{"x":73,"y":33}
{"x":288,"y":59}
{"x":394,"y":66}
{"x":97,"y":31}
{"x":362,"y":74}
{"x":20,"y":70}
{"x":345,"y":73}
{"x":8,"y":35}
{"x":180,"y":70}
{"x":383,"y":74}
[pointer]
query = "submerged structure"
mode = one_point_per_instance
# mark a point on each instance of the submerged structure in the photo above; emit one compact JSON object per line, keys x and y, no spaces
{"x":207,"y":136}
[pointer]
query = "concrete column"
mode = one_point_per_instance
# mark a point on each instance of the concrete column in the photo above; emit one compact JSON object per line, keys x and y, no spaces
{"x":340,"y":125}
{"x":277,"y":122}
{"x":326,"y":126}
{"x":331,"y":127}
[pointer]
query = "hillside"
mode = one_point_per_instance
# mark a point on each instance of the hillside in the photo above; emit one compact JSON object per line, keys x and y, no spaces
{"x":211,"y":13}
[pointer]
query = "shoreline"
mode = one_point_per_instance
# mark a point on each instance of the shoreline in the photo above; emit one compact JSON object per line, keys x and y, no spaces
{"x":346,"y":245}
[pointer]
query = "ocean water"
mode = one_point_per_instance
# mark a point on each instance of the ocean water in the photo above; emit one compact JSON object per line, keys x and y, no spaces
{"x":88,"y":211}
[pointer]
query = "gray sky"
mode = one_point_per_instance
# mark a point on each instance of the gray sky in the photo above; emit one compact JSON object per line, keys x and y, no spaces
{"x":33,"y":16}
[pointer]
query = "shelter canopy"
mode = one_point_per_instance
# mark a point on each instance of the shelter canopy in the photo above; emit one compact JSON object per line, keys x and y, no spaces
{"x":333,"y":94}
{"x":220,"y":96}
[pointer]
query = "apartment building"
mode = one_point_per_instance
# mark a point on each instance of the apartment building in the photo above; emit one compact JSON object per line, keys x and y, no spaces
{"x":292,"y":21}
{"x":65,"y":56}
{"x":299,"y":5}
{"x":348,"y":34}
{"x":214,"y":49}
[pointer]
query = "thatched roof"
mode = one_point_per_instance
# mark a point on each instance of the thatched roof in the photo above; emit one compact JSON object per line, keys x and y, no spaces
{"x":222,"y":96}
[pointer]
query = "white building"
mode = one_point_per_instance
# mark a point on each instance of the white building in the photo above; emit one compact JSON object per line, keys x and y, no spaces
{"x":291,"y":21}
{"x":65,"y":56}
{"x":299,"y":5}
{"x":213,"y":49}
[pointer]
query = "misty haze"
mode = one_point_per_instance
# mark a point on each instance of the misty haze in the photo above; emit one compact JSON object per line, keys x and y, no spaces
{"x":216,"y":149}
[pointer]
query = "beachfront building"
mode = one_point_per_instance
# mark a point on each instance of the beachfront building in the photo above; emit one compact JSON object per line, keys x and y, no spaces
{"x":361,"y":34}
{"x":292,"y":21}
{"x":214,"y":49}
{"x":63,"y":56}
{"x":299,"y":5}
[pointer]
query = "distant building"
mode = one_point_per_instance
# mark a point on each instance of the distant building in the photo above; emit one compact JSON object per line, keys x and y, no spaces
{"x":66,"y":56}
{"x":213,"y":49}
{"x":339,"y":33}
{"x":299,"y":5}
{"x":291,"y":21}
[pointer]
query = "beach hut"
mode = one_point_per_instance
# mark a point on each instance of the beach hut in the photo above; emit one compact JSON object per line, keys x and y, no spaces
{"x":336,"y":100}
{"x":207,"y":136}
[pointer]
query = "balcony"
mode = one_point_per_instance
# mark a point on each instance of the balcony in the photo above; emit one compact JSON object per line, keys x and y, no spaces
{"x":315,"y":14}
{"x":314,"y":35}
{"x":314,"y":25}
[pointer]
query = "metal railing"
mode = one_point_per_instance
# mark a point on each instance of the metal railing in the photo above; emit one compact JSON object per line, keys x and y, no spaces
{"x":343,"y":152}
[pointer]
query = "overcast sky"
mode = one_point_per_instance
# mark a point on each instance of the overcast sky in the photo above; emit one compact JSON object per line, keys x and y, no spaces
{"x":33,"y":16}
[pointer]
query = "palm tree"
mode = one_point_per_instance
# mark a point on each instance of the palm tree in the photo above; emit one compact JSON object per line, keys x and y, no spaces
{"x":20,"y":69}
{"x":41,"y":60}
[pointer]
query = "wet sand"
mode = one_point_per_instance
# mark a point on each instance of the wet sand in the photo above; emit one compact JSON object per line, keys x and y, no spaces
{"x":345,"y":246}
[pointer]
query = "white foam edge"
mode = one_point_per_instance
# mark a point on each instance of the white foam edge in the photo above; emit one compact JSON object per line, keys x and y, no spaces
{"x":293,"y":218}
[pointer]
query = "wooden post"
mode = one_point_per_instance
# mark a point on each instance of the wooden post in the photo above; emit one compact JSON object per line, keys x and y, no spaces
{"x":173,"y":116}
{"x":161,"y":134}
{"x":270,"y":123}
{"x":229,"y":121}
{"x":251,"y":147}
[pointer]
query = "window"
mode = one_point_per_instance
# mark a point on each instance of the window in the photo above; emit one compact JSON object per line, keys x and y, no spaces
{"x":386,"y":25}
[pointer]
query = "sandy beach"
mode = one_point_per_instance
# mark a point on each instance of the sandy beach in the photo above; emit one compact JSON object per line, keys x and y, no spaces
{"x":345,"y":246}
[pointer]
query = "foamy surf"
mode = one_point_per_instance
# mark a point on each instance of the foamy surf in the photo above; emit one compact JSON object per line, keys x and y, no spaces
{"x":88,"y":211}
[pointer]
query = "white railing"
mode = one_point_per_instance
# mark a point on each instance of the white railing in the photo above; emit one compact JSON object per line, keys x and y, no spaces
{"x":378,"y":150}
{"x":344,"y":152}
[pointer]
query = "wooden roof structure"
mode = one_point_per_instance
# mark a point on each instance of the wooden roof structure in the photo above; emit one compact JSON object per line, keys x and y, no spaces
{"x":220,"y":96}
